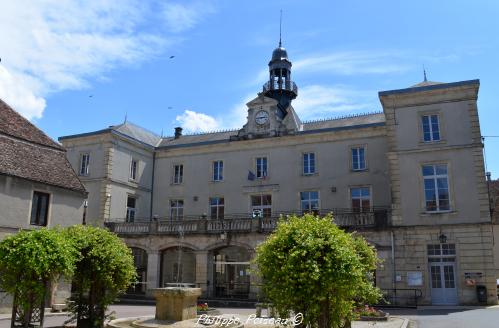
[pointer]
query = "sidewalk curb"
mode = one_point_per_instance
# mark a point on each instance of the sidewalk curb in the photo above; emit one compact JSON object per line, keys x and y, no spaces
{"x":47,"y":314}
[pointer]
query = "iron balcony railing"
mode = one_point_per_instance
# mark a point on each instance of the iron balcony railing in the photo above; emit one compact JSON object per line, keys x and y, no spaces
{"x":275,"y":85}
{"x":375,"y":218}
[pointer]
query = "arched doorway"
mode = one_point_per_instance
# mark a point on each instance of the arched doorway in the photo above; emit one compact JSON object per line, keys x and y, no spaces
{"x":231,"y":272}
{"x":140,"y":262}
{"x":178,"y":265}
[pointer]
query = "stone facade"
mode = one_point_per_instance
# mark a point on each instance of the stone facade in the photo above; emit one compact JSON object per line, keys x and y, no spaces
{"x":432,"y":231}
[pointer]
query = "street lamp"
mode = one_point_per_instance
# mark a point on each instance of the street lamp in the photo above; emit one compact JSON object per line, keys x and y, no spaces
{"x":442,"y":238}
{"x":85,"y":205}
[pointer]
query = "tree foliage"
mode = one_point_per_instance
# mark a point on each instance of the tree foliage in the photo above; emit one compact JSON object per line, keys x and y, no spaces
{"x":29,"y":260}
{"x":103,"y":270}
{"x":309,"y":265}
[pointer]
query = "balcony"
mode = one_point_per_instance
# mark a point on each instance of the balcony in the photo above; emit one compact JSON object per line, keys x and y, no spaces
{"x":275,"y":85}
{"x":375,"y":219}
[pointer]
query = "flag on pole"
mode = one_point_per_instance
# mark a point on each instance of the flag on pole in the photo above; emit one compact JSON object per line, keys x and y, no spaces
{"x":251,"y":175}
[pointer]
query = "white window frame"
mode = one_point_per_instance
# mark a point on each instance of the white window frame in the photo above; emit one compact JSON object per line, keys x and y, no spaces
{"x":178,"y":178}
{"x":308,"y":168}
{"x":263,"y":173}
{"x":434,"y":179}
{"x":217,"y":207}
{"x":175,"y":208}
{"x":260,"y":208}
{"x":361,"y":198}
{"x":84,"y":164}
{"x":357,"y":149}
{"x":218,"y":171}
{"x":432,"y":132}
{"x":131,"y":212}
{"x":309,"y":201}
{"x":134,"y":169}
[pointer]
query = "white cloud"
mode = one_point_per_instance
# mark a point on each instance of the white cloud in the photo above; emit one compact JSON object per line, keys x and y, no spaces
{"x":353,"y":62}
{"x":234,"y":118}
{"x":53,"y":45}
{"x":319,"y":101}
{"x":180,"y":17}
{"x":192,"y":121}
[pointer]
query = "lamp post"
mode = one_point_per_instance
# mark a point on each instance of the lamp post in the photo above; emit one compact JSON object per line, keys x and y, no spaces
{"x":85,"y":205}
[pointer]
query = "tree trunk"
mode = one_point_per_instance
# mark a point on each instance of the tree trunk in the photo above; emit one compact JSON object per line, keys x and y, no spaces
{"x":324,"y":318}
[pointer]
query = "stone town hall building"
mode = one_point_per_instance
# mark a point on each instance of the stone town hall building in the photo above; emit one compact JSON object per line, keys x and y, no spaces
{"x":410,"y":179}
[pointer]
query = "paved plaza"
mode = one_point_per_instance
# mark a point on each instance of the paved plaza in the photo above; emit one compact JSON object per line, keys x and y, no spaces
{"x":423,"y":317}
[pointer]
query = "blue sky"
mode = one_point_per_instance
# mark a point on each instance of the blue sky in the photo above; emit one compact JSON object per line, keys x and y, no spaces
{"x":78,"y":66}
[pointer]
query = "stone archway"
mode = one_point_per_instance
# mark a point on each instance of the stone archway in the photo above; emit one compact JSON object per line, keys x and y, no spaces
{"x":178,"y":265}
{"x":230,"y":274}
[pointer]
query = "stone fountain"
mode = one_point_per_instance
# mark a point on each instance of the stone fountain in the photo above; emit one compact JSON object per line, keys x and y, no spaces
{"x":176,"y":307}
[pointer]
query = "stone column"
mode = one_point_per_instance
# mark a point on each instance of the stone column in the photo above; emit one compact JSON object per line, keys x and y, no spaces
{"x":202,"y":271}
{"x":153,"y":271}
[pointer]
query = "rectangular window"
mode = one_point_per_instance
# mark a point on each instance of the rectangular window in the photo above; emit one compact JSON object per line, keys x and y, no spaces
{"x":40,"y":209}
{"x":309,"y":163}
{"x":309,"y":201}
{"x":261,"y":167}
{"x":84,"y":163}
{"x":176,"y":209}
{"x":218,"y":170}
{"x":130,"y":208}
{"x":358,"y":159}
{"x":431,"y":128}
{"x":217,"y":207}
{"x":436,"y":187}
{"x":261,"y":206}
{"x":178,"y":174}
{"x":361,"y":199}
{"x":133,"y":169}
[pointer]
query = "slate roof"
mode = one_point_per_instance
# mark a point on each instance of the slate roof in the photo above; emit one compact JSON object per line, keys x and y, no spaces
{"x":138,"y":133}
{"x":346,"y":121}
{"x":144,"y":136}
{"x":28,"y":153}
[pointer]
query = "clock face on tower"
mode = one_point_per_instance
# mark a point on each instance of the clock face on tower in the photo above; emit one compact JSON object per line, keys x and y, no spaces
{"x":262,"y":117}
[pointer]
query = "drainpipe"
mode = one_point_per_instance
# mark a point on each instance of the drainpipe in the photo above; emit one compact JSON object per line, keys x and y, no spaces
{"x":393,"y":259}
{"x":152,"y":183}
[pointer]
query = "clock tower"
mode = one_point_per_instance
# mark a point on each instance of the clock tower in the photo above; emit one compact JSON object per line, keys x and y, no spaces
{"x":271,"y":113}
{"x":280,"y":86}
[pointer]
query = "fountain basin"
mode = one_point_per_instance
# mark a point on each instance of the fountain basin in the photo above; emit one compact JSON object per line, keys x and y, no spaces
{"x":176,"y":303}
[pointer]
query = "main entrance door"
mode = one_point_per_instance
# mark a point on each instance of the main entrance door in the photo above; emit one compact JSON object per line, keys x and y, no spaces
{"x":441,"y":260}
{"x":231,"y":270}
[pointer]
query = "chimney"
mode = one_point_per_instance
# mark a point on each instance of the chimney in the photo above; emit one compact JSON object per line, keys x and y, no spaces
{"x":178,"y":132}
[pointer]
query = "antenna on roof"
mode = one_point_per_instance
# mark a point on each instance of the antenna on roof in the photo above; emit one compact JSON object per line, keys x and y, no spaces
{"x":280,"y":28}
{"x":424,"y":73}
{"x":126,"y":117}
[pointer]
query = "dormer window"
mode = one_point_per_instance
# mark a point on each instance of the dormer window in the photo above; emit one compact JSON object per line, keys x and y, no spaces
{"x":431,"y":127}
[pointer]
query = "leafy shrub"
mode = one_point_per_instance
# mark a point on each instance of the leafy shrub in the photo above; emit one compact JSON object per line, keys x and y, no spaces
{"x":310,"y":266}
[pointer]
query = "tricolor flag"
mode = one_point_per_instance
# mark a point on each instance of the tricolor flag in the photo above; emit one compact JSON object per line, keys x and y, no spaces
{"x":251,"y":175}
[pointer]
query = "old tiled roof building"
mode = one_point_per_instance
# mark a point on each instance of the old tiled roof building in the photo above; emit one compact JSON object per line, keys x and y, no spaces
{"x":38,"y":186}
{"x":411,"y":179}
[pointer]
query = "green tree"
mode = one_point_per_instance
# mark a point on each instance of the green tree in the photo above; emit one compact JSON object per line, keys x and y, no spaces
{"x":104,"y":269}
{"x":310,"y":266}
{"x":29,"y":261}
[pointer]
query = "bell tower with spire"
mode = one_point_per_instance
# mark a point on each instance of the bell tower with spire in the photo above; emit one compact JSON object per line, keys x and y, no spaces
{"x":271,"y":114}
{"x":280,"y":86}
